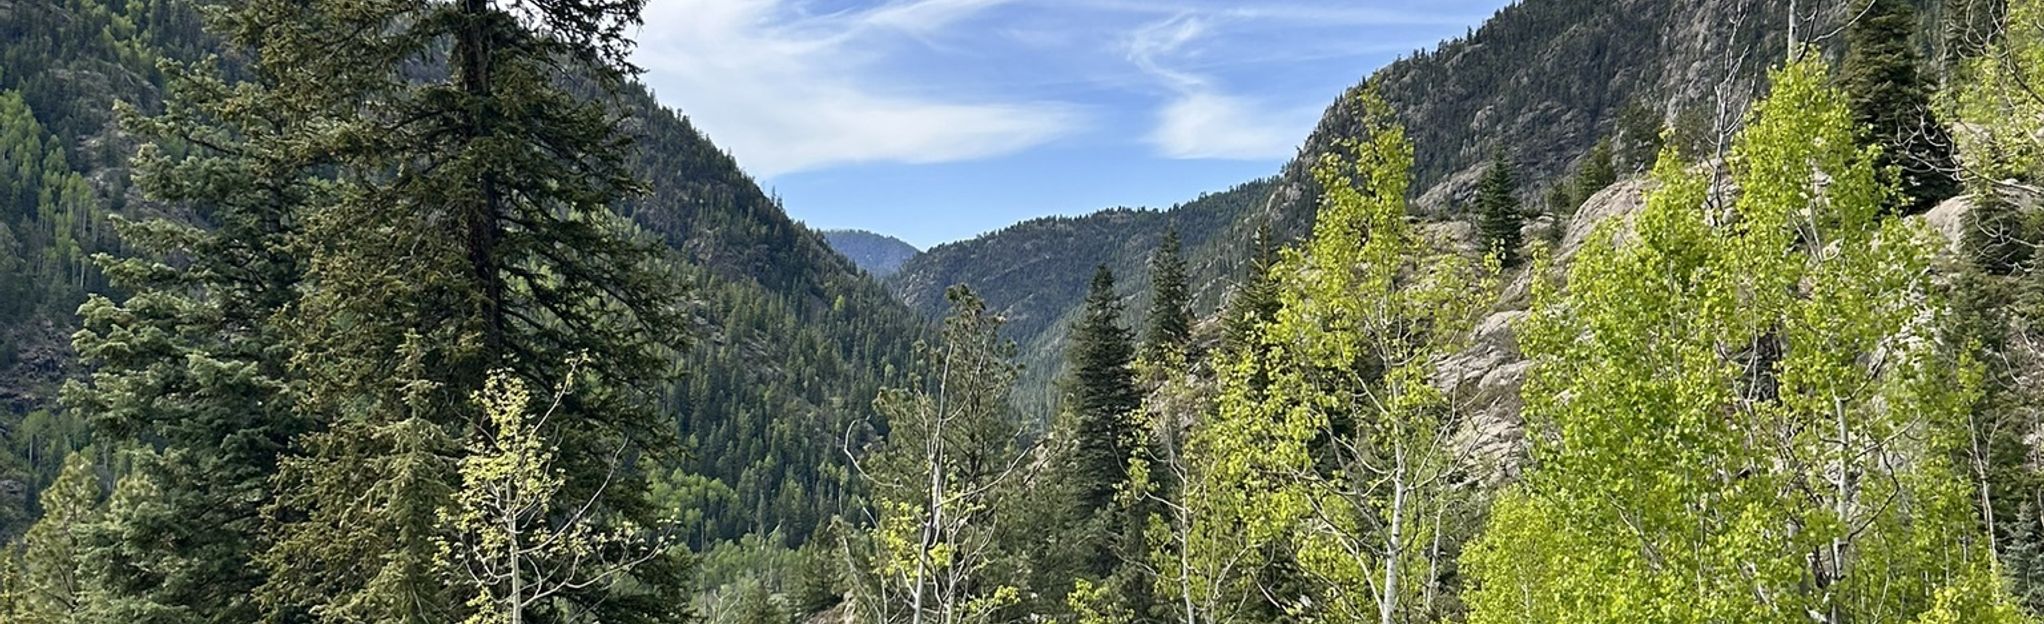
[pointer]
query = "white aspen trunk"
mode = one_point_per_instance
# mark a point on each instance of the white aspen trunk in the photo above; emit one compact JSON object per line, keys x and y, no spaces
{"x":1387,"y":605}
{"x":515,"y":602}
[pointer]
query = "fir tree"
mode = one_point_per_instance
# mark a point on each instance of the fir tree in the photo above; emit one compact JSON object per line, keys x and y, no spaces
{"x":1255,"y":299}
{"x":1996,"y":236}
{"x":1170,"y":322}
{"x":1891,"y":103}
{"x":192,"y":362}
{"x":1499,"y":217}
{"x":53,"y":581}
{"x":1638,"y":137}
{"x":476,"y":166}
{"x":1595,"y":172}
{"x":1100,"y":396}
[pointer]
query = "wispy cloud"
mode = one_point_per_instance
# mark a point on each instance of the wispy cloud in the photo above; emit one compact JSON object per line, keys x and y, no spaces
{"x":1200,"y":120}
{"x":788,"y":90}
{"x":1321,"y":12}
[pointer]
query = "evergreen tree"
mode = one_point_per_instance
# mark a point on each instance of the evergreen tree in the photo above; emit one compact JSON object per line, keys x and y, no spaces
{"x":476,"y":165}
{"x":192,"y":361}
{"x":1891,"y":103}
{"x":1638,"y":137}
{"x":1170,"y":322}
{"x":1996,"y":236}
{"x":1255,"y":299}
{"x":756,"y":605}
{"x":1100,"y":397}
{"x":53,"y":584}
{"x":1498,"y":213}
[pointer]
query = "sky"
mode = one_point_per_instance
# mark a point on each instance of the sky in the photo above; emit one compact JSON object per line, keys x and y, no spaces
{"x":938,"y":120}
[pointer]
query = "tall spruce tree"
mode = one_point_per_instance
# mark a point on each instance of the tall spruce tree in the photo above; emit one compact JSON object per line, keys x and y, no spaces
{"x":1891,"y":102}
{"x":190,"y":367}
{"x":1100,"y":396}
{"x":468,"y":227}
{"x":1170,"y":321}
{"x":1255,"y":299}
{"x":1499,"y":217}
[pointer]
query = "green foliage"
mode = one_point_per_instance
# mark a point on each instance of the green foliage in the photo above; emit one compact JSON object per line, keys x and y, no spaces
{"x":947,"y":468}
{"x":1890,"y":101}
{"x":1343,"y":458}
{"x":1714,"y":440}
{"x":192,"y":361}
{"x":53,"y":588}
{"x":1638,"y":138}
{"x":1101,"y":398}
{"x":1498,"y":215}
{"x":1998,"y":234}
{"x":503,"y":538}
{"x":1170,"y":318}
{"x":1255,"y":299}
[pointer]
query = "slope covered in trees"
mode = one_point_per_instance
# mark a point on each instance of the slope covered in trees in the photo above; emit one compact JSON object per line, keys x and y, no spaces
{"x":791,"y":338}
{"x":879,"y":255}
{"x":1036,"y":273}
{"x":423,"y":311}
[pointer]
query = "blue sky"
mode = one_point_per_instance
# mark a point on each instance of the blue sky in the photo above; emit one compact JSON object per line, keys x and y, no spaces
{"x":937,"y":120}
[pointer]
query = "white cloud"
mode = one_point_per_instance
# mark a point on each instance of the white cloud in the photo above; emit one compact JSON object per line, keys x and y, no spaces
{"x":788,"y":91}
{"x":1199,"y":120}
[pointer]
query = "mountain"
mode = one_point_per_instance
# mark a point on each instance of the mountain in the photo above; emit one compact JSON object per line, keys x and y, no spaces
{"x":791,"y":340}
{"x":1541,"y":82}
{"x":1034,"y":273}
{"x":878,"y":254}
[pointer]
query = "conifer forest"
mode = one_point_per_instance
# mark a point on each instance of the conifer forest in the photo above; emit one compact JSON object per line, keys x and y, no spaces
{"x":1595,"y":311}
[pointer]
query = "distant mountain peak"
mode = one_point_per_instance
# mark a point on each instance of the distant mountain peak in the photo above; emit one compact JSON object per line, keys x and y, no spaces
{"x":878,"y":254}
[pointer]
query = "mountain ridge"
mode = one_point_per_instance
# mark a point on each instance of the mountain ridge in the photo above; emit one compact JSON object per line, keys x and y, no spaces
{"x":877,"y":254}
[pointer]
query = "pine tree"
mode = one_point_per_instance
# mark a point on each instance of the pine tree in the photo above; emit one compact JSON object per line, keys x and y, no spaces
{"x":1101,"y":397}
{"x":53,"y":582}
{"x":1255,"y":299}
{"x":476,"y":164}
{"x":1170,"y":322}
{"x":191,"y":362}
{"x":1499,"y":216}
{"x":1891,"y":102}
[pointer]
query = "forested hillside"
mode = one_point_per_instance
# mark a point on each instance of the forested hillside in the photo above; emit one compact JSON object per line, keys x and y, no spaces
{"x":880,"y":255}
{"x":330,"y":311}
{"x":1035,"y":273}
{"x":1552,"y":88}
{"x":777,"y":313}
